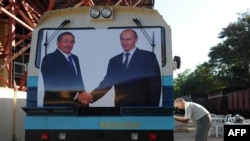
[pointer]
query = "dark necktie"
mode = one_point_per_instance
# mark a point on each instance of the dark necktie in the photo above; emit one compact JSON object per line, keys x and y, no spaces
{"x":126,"y":60}
{"x":71,"y":63}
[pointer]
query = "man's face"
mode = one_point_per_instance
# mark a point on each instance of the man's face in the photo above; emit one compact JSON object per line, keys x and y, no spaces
{"x":66,"y":44}
{"x":128,"y":40}
{"x":180,"y":105}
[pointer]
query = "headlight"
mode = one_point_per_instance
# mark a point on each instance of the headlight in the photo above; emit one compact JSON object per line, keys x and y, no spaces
{"x":94,"y":13}
{"x":106,"y":12}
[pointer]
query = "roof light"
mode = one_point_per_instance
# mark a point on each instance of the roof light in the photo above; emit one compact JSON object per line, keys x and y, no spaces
{"x":94,"y":13}
{"x":106,"y":12}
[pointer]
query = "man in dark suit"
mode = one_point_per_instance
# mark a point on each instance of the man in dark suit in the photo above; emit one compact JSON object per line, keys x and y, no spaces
{"x":136,"y":80}
{"x":62,"y":75}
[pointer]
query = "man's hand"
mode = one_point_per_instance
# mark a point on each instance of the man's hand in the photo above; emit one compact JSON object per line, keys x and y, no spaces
{"x":85,"y":98}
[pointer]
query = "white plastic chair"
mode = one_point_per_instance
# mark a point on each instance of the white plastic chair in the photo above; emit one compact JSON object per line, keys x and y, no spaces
{"x":227,"y":116}
{"x":231,"y":119}
{"x":217,"y":126}
{"x":246,"y":121}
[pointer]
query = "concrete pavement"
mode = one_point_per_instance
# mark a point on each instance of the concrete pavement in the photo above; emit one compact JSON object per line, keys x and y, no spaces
{"x":186,"y":132}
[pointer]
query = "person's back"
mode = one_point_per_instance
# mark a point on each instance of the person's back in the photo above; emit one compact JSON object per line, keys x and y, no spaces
{"x":194,"y":111}
{"x":197,"y":113}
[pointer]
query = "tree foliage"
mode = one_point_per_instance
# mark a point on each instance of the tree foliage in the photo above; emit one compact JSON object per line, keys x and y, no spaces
{"x":228,"y":66}
{"x":179,"y":83}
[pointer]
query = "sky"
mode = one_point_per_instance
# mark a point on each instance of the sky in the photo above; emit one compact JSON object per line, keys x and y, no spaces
{"x":196,"y":24}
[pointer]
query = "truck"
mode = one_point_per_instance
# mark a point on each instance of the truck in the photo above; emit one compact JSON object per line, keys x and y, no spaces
{"x":97,"y":38}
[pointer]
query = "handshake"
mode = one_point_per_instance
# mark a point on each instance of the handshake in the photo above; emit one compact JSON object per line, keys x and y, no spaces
{"x":85,"y":98}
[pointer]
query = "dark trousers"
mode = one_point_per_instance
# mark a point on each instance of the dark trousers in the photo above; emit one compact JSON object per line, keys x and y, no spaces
{"x":203,"y":125}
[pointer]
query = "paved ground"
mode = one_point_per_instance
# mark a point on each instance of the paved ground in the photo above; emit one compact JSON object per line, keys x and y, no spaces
{"x":186,"y":132}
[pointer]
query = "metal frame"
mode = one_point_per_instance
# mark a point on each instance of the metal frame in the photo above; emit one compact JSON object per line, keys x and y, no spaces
{"x":24,"y":15}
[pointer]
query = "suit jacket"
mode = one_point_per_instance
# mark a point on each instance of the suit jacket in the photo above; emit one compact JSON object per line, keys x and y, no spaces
{"x":61,"y":83}
{"x":138,"y":85}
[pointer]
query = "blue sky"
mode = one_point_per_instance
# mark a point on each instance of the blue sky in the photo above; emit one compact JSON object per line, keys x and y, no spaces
{"x":196,"y":24}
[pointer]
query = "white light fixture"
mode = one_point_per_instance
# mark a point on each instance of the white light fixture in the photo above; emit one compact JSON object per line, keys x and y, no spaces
{"x":106,"y":12}
{"x":62,"y":136}
{"x":134,"y":136}
{"x":94,"y":13}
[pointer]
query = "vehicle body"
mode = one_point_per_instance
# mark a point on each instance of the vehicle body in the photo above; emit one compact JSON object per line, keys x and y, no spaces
{"x":97,"y":40}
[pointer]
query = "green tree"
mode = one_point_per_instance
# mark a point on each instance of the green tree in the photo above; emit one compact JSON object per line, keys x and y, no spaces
{"x":200,"y":81}
{"x":228,"y":66}
{"x":180,"y":82}
{"x":230,"y":59}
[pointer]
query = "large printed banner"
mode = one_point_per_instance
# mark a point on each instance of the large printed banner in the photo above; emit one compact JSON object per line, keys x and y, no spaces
{"x":97,"y":59}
